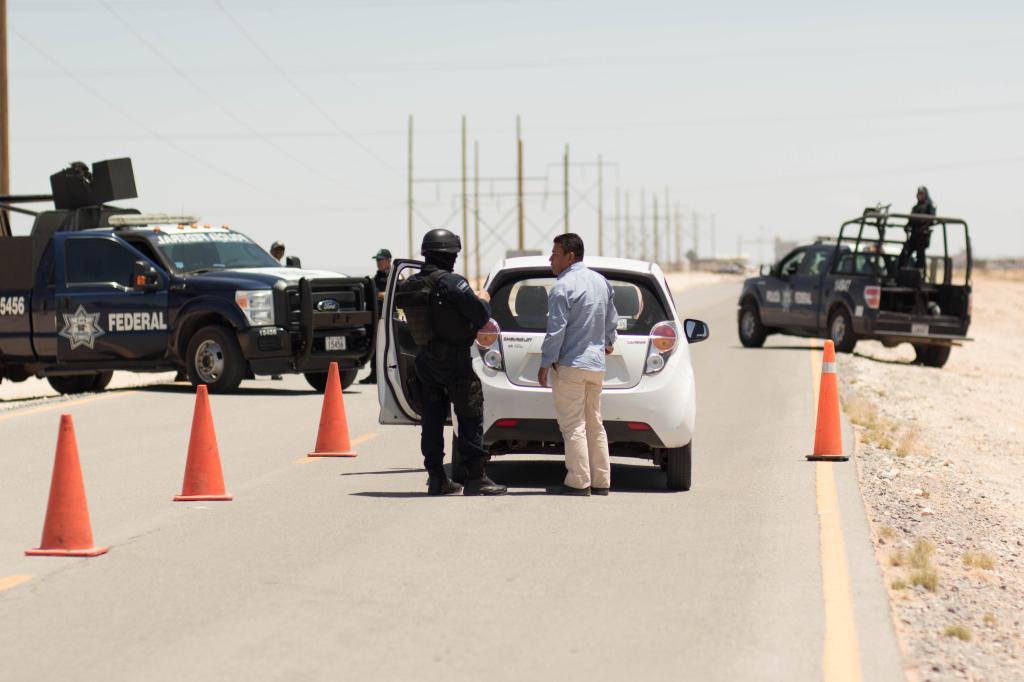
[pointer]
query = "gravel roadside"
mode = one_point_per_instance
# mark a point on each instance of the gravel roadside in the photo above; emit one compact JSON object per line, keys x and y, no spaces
{"x":941,"y":465}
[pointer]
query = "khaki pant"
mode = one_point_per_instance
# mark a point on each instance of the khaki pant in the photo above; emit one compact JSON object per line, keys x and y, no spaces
{"x":578,"y":409}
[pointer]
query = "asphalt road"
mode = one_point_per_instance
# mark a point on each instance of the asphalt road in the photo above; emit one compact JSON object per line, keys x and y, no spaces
{"x":344,"y":569}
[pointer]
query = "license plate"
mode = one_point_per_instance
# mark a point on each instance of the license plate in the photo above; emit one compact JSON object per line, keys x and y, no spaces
{"x":336,"y":343}
{"x":919,"y":329}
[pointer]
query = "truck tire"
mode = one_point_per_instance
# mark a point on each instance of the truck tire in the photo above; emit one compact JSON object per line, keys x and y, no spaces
{"x":318,"y":380}
{"x":679,"y":463}
{"x":102,"y":381}
{"x":77,"y":383}
{"x":215,"y":359}
{"x":932,"y":356}
{"x":840,"y":330}
{"x":752,"y":332}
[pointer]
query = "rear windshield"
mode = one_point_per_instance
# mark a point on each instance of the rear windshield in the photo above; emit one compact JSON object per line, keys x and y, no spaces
{"x":521,"y":304}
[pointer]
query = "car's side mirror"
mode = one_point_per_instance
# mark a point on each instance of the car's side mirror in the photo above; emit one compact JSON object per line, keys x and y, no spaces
{"x":767,"y":270}
{"x":292,"y":262}
{"x":696,"y":330}
{"x":145,"y":277}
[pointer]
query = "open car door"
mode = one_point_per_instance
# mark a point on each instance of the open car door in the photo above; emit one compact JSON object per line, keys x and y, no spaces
{"x":396,"y":354}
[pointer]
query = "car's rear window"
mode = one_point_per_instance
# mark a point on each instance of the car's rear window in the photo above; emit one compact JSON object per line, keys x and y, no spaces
{"x":520,"y":304}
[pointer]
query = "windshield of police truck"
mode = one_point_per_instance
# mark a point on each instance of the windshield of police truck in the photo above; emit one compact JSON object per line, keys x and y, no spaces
{"x":204,"y":251}
{"x":522,"y":304}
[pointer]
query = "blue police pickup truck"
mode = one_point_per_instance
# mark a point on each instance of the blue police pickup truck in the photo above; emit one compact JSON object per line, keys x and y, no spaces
{"x":895,"y":278}
{"x":96,"y":288}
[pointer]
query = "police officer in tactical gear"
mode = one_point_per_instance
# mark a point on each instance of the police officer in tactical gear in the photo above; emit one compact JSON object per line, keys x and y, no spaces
{"x":380,"y":282}
{"x":919,"y":231}
{"x":444,"y":369}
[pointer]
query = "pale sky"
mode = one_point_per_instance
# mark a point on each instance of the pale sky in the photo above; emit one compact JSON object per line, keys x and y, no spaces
{"x":289,"y":120}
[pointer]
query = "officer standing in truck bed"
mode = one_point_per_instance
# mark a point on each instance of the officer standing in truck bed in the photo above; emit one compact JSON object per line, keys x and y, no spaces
{"x":451,"y":318}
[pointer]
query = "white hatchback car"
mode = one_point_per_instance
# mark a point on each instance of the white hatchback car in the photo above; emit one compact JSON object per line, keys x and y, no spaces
{"x":649,"y":400}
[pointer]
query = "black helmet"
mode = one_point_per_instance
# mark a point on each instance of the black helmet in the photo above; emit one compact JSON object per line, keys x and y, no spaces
{"x":441,"y":241}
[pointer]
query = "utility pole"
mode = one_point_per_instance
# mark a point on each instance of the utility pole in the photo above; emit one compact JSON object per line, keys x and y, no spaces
{"x":5,"y":133}
{"x":465,"y":202}
{"x":629,"y":230}
{"x":565,"y":188}
{"x":657,"y":249}
{"x":476,"y":210}
{"x":643,"y":224}
{"x":668,"y":228}
{"x":412,"y":253}
{"x":600,"y":208}
{"x":519,"y":183}
{"x":618,"y":222}
{"x":714,"y":251}
{"x":696,"y":236}
{"x":679,"y":239}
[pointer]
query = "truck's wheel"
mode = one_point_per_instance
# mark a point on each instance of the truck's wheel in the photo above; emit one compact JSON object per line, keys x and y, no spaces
{"x":679,"y":463}
{"x":752,"y":332}
{"x":318,"y":380}
{"x":840,"y":330}
{"x":102,"y":380}
{"x":215,"y":359}
{"x":78,"y":383}
{"x":932,"y":356}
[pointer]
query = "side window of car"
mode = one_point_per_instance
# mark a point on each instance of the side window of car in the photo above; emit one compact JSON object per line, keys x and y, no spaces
{"x":791,"y":265}
{"x":814,"y":263}
{"x":92,"y":260}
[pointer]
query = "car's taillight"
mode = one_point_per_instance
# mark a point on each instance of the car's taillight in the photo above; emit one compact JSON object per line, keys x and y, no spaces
{"x":872,"y":296}
{"x":663,"y":337}
{"x":488,"y":335}
{"x":506,"y":423}
{"x":488,"y":340}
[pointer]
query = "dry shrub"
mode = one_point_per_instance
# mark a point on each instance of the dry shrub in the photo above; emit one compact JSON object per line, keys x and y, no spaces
{"x":989,"y":619}
{"x":961,"y":632}
{"x":861,"y":412}
{"x":909,"y":442}
{"x":897,"y":558}
{"x":982,"y":560}
{"x":898,"y":584}
{"x":921,"y":554}
{"x":926,"y":578}
{"x":887,"y":533}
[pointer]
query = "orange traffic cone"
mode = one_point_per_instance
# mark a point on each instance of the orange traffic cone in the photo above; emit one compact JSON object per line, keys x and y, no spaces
{"x":67,"y":531}
{"x":204,"y":480}
{"x":332,"y":438}
{"x":828,"y":437}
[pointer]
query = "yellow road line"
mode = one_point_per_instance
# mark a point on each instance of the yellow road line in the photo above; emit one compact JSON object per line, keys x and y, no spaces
{"x":9,"y":581}
{"x":63,"y":404}
{"x":359,"y":440}
{"x":841,"y":654}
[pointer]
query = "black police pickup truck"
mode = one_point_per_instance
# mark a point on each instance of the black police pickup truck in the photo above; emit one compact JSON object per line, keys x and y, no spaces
{"x":868,"y":284}
{"x":97,"y":288}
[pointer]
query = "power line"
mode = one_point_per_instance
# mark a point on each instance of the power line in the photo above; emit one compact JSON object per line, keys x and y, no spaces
{"x":153,"y":133}
{"x":208,"y":96}
{"x":302,"y":92}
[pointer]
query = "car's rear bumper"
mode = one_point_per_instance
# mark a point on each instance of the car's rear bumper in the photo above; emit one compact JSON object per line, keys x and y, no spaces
{"x":666,"y":402}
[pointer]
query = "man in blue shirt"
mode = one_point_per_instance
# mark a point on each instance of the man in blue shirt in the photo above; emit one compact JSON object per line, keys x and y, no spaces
{"x":581,"y":331}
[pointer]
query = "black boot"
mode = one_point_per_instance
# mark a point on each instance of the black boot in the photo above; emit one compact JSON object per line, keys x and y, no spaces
{"x":483,"y":486}
{"x":438,"y":483}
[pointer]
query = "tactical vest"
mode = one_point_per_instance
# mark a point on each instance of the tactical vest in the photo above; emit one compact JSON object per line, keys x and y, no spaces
{"x":429,"y":315}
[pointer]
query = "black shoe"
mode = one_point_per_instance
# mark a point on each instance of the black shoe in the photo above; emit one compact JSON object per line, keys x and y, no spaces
{"x":438,"y":483}
{"x":371,"y":379}
{"x":276,"y":377}
{"x":569,"y":490}
{"x":483,"y":486}
{"x":599,"y":491}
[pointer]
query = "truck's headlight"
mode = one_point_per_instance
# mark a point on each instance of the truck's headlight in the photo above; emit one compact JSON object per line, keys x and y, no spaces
{"x":257,"y":306}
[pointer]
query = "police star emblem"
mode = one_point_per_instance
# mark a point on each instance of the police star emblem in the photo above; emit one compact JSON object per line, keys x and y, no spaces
{"x":82,"y":328}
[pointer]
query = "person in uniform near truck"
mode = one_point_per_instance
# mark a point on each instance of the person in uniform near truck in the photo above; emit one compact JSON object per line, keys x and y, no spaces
{"x":277,"y":251}
{"x":919,"y":231}
{"x":380,"y":281}
{"x":444,"y":366}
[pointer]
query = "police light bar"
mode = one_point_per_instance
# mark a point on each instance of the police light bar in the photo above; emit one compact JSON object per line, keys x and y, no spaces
{"x":144,"y":219}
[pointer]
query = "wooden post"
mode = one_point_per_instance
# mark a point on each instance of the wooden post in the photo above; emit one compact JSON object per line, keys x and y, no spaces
{"x":465,"y":204}
{"x":519,"y":184}
{"x":412,"y":252}
{"x":476,"y":211}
